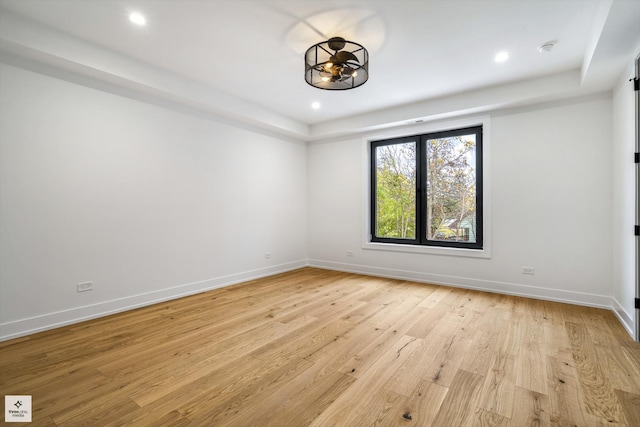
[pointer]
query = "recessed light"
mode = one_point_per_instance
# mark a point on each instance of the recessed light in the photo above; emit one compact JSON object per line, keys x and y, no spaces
{"x":501,"y":56}
{"x":315,"y":105}
{"x":137,"y":18}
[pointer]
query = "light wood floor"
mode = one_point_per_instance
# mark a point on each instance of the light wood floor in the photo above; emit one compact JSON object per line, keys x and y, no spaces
{"x":321,"y":348}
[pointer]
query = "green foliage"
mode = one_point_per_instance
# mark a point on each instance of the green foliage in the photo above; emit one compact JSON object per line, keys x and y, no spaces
{"x":451,"y":192}
{"x":395,"y":192}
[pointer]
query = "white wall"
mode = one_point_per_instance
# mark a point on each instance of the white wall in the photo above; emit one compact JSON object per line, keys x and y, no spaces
{"x":151,"y":203}
{"x":146,"y":202}
{"x":623,"y":199}
{"x":550,"y":186}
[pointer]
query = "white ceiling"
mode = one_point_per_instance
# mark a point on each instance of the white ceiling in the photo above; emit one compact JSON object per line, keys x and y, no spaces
{"x":246,"y":56}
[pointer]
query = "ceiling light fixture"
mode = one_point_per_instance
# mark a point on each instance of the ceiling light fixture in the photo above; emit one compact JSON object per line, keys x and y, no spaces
{"x":137,"y":18}
{"x":501,"y":56}
{"x":336,"y":64}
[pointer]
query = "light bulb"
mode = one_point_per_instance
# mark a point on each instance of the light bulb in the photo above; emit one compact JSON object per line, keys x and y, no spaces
{"x":501,"y":57}
{"x":137,"y":18}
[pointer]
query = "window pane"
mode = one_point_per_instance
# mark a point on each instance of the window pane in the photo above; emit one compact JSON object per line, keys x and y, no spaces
{"x":451,"y":189}
{"x":396,"y":191}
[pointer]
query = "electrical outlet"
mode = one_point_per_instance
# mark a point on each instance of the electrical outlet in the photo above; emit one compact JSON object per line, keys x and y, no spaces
{"x":350,"y":253}
{"x":267,"y":255}
{"x":84,"y":287}
{"x":528,"y":270}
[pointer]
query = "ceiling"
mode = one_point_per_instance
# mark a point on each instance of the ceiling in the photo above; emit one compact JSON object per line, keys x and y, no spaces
{"x":244,"y":58}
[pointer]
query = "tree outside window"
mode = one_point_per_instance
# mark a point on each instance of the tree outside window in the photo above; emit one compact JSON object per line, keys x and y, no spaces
{"x":427,"y":189}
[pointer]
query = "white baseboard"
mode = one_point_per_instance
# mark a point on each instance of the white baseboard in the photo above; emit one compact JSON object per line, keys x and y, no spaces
{"x":625,"y":318}
{"x":44,"y":322}
{"x":558,"y":295}
{"x":22,"y":327}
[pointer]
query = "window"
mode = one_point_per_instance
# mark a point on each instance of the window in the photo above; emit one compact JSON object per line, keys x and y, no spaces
{"x":427,"y":189}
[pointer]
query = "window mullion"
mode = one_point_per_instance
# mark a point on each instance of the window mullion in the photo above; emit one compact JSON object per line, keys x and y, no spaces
{"x":421,"y":192}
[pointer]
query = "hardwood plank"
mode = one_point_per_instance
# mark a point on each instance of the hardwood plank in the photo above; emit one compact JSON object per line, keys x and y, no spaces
{"x":531,"y":358}
{"x":304,"y":341}
{"x":242,"y":407}
{"x":630,"y":405}
{"x":555,"y":312}
{"x":411,"y":372}
{"x":599,"y":396}
{"x":444,"y":306}
{"x":320,"y":389}
{"x":382,"y":291}
{"x":499,"y":386}
{"x":566,"y":401}
{"x":479,"y":355}
{"x":435,"y":297}
{"x":594,"y":421}
{"x":603,"y":328}
{"x":173,"y":419}
{"x":87,"y":384}
{"x":459,"y":405}
{"x":381,"y":410}
{"x":510,"y":337}
{"x":345,"y":410}
{"x":531,"y":409}
{"x":293,"y":410}
{"x":195,"y":347}
{"x":423,"y":404}
{"x":472,"y":310}
{"x":363,"y":313}
{"x":557,"y":342}
{"x":218,"y":384}
{"x":538,"y":311}
{"x":444,"y":365}
{"x":445,"y":360}
{"x":5,"y":345}
{"x":95,"y":412}
{"x":372,"y":350}
{"x":427,"y":320}
{"x":419,"y":289}
{"x":622,"y":374}
{"x":394,"y":311}
{"x":493,"y":320}
{"x":484,"y":418}
{"x":153,"y":384}
{"x":323,"y":302}
{"x":631,"y":352}
{"x":335,"y":355}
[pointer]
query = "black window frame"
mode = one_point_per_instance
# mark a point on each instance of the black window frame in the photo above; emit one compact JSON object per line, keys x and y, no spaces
{"x":421,"y":189}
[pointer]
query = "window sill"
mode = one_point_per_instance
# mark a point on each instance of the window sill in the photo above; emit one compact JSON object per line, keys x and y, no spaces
{"x":428,"y":250}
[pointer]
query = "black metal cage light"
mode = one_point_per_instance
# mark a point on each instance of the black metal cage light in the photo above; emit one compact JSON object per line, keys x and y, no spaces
{"x":336,"y":64}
